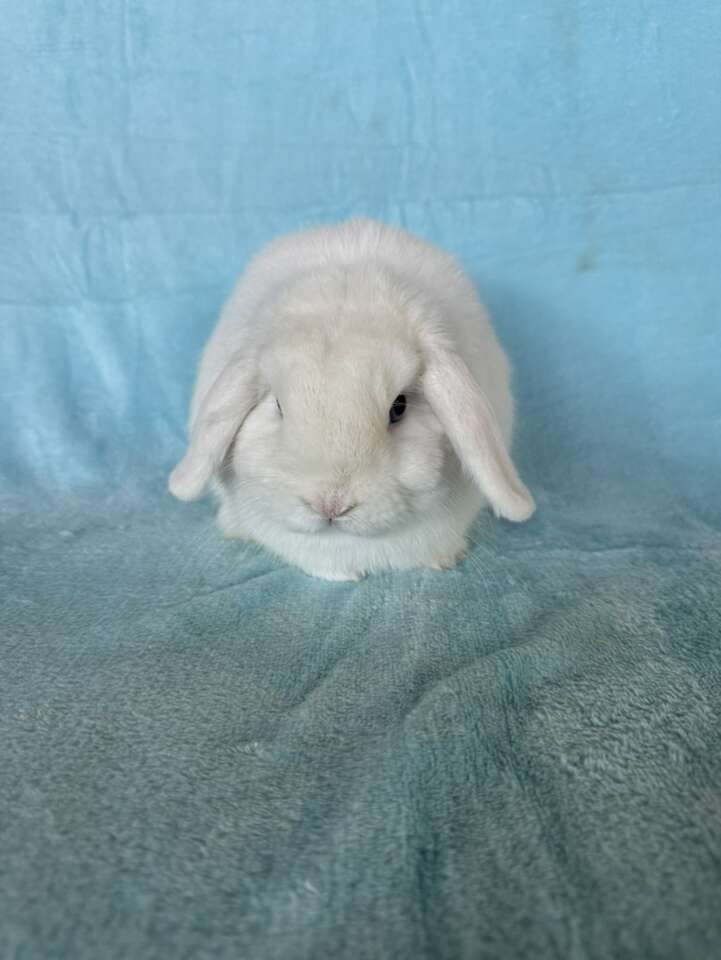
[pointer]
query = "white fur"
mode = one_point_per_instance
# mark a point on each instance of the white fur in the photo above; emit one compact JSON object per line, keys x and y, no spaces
{"x":334,"y":323}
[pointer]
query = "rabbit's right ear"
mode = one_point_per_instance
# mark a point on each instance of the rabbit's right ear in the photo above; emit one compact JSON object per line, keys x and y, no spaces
{"x":225,"y":407}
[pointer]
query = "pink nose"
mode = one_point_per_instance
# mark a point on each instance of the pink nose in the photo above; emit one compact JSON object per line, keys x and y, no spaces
{"x":330,"y":506}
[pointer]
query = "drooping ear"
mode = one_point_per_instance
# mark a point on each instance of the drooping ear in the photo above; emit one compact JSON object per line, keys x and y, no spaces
{"x":225,"y":407}
{"x":472,"y":427}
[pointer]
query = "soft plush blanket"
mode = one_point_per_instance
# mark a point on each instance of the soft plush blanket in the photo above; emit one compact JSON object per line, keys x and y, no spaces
{"x":204,"y":753}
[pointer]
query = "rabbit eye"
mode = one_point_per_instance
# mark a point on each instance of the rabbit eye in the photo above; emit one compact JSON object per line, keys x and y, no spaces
{"x":398,"y":408}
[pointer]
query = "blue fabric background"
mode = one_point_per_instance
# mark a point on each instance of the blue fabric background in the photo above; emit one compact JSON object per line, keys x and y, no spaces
{"x":205,"y":754}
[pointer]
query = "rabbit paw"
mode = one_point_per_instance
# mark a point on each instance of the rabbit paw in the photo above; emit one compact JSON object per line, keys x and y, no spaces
{"x":336,"y":576}
{"x":445,"y":561}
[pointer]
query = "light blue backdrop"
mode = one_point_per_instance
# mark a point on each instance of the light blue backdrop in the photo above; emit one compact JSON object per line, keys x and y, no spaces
{"x":206,"y":754}
{"x":568,"y":152}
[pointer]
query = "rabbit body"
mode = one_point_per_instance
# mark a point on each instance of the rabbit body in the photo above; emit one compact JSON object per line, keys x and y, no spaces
{"x":352,"y":409}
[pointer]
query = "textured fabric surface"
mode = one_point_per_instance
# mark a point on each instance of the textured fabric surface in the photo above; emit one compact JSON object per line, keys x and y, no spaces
{"x":204,"y":753}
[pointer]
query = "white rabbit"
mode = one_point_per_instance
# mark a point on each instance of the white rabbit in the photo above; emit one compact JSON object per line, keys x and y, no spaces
{"x":352,"y":408}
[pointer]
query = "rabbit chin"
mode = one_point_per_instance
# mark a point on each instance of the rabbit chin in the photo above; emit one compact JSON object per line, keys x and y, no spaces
{"x":348,"y":526}
{"x":430,"y":537}
{"x":241,"y":511}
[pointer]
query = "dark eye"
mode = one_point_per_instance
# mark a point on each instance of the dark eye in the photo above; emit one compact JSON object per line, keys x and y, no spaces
{"x":280,"y":409}
{"x":398,"y":408}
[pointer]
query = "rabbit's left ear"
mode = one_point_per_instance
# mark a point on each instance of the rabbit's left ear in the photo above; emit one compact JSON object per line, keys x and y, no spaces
{"x":225,"y":407}
{"x":471,"y":425}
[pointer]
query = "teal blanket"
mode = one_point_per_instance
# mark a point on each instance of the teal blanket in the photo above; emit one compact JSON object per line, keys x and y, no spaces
{"x":204,"y":753}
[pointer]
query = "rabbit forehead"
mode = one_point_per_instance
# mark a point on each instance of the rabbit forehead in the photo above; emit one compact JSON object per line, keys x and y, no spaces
{"x":315,"y":364}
